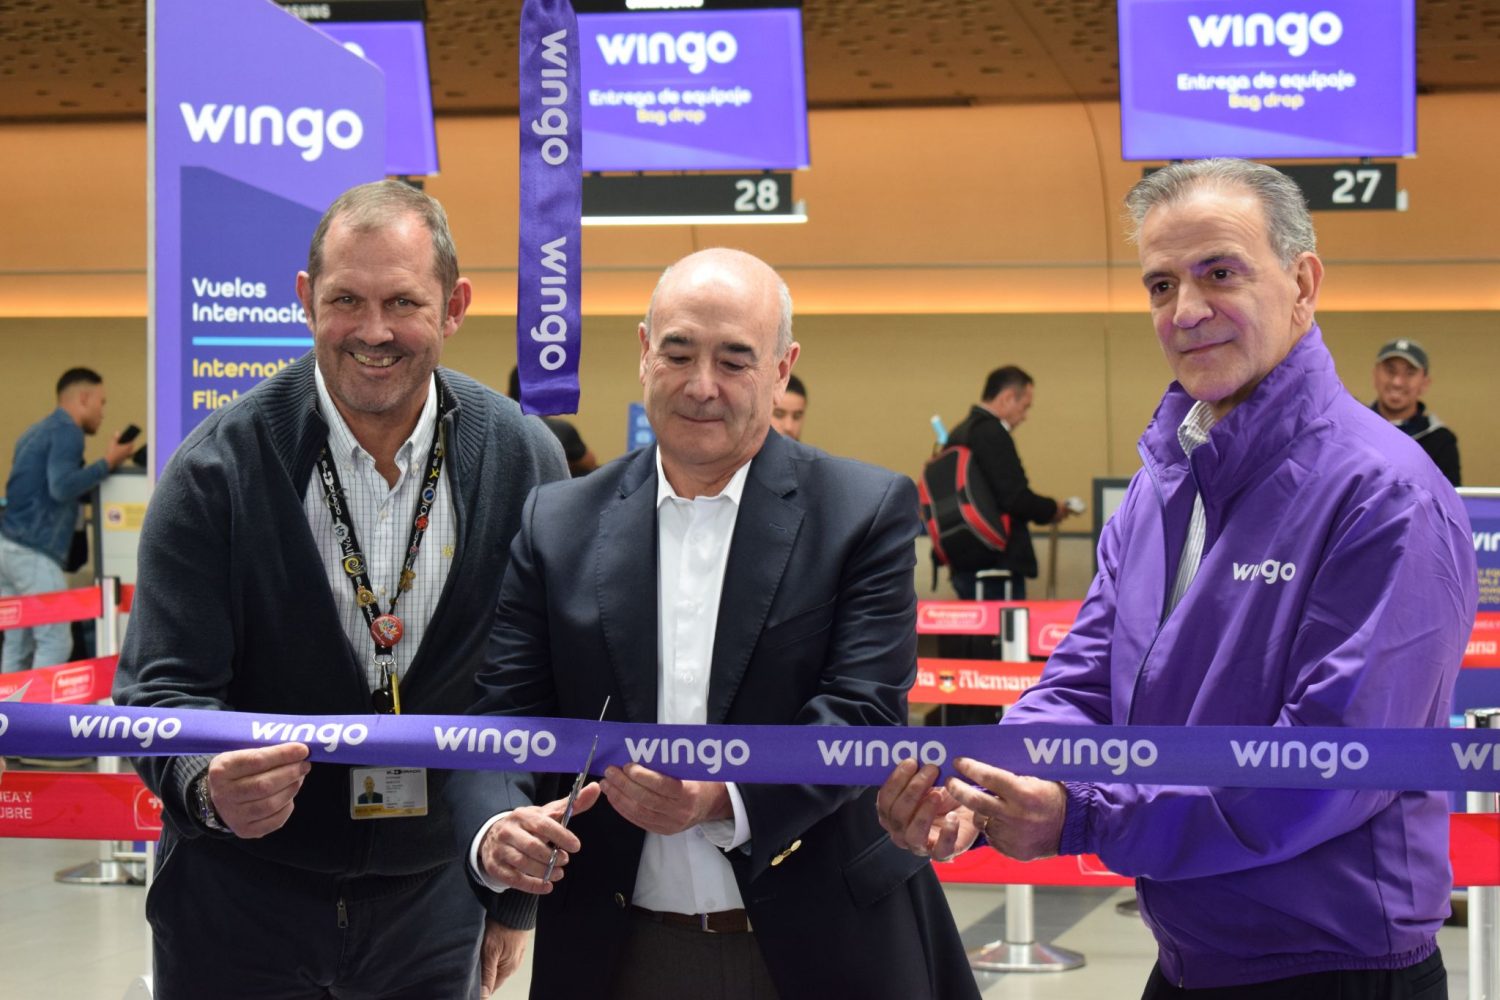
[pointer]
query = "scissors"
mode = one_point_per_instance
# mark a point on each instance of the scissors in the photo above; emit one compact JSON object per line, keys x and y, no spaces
{"x":573,"y":795}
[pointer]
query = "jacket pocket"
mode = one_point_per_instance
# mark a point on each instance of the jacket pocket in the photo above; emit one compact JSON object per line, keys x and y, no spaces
{"x":802,"y":625}
{"x":879,"y":870}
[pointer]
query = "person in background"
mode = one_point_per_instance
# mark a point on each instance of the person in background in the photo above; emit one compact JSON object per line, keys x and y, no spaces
{"x":48,"y":481}
{"x":787,"y":415}
{"x":581,"y":460}
{"x":987,"y":432}
{"x":1401,"y":377}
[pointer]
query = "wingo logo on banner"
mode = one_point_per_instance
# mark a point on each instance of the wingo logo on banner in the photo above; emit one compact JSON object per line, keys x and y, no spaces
{"x":147,"y":808}
{"x":693,"y":49}
{"x":1292,"y":30}
{"x":306,"y":128}
{"x":1487,"y":541}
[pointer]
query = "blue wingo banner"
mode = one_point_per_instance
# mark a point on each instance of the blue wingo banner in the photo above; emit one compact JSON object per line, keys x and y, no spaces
{"x":548,"y":315}
{"x":1226,"y":756}
{"x":257,"y":123}
{"x":1483,"y":507}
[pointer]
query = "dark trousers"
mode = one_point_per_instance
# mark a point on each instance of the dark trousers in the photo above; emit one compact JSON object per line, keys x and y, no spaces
{"x":227,"y":924}
{"x":1427,"y":980}
{"x":665,"y":962}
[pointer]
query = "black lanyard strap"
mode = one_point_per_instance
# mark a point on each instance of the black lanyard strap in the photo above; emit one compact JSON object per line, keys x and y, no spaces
{"x":385,"y":628}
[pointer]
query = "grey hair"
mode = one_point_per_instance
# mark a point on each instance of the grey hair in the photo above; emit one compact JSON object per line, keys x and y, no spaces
{"x":1289,"y":226}
{"x":783,"y":321}
{"x":378,"y":204}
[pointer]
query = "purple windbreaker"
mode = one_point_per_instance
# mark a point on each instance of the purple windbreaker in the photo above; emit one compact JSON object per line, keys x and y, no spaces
{"x":1337,"y":588}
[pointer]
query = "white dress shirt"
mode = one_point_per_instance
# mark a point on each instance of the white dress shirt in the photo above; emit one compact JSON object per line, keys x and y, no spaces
{"x":382,"y":516}
{"x":684,"y":872}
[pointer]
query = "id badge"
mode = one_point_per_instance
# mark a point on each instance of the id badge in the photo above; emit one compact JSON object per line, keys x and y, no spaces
{"x":387,"y":792}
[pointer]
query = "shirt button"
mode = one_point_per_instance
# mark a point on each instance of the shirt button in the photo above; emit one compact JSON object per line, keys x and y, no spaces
{"x":620,"y":900}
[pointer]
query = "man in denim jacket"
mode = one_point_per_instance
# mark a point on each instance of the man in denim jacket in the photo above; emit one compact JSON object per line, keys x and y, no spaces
{"x":47,"y":480}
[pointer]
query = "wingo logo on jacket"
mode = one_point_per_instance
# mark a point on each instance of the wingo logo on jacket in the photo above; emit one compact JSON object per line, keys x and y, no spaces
{"x":1271,"y":571}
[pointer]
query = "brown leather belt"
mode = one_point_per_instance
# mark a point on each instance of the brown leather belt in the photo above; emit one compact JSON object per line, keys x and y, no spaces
{"x":723,"y":922}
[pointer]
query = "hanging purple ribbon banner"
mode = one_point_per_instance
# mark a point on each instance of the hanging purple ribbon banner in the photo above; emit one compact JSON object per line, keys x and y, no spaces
{"x":548,"y":316}
{"x":1454,"y":759}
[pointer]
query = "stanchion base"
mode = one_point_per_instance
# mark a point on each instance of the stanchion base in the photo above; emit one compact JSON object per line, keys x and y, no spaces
{"x":139,"y":990}
{"x":101,"y":873}
{"x":1001,"y":956}
{"x":1129,"y":907}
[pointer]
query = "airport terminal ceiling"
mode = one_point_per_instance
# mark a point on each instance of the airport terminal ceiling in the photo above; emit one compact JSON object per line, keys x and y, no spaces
{"x":86,"y":59}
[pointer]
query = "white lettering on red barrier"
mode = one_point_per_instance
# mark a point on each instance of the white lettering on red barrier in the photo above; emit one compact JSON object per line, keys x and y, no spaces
{"x":1050,"y":635}
{"x":960,"y":617}
{"x":10,"y":613}
{"x":74,"y":685}
{"x":147,"y":812}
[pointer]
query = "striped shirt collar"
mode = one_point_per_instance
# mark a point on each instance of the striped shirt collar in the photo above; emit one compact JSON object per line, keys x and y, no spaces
{"x":341,"y":440}
{"x":1195,"y":427}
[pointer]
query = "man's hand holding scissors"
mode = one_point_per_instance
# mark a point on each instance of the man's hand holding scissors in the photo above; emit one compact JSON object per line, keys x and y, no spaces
{"x":527,"y":848}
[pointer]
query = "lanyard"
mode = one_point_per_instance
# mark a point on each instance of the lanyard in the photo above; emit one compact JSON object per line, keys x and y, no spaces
{"x":385,"y":628}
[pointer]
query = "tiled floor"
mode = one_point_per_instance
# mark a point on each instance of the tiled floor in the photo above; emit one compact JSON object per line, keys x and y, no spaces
{"x":66,"y":942}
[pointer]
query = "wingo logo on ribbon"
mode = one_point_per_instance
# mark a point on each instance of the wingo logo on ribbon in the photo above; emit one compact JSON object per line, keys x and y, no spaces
{"x":328,"y":735}
{"x":519,"y":744}
{"x":1325,"y":757}
{"x":144,"y":730}
{"x":309,"y":129}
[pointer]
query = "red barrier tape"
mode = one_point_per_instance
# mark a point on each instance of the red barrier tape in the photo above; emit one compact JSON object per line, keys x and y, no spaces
{"x":50,"y":609}
{"x":78,"y":806}
{"x":1484,"y":641}
{"x":127,"y":598}
{"x":972,"y":682}
{"x":78,"y":683}
{"x":1474,"y":848}
{"x":1049,"y":622}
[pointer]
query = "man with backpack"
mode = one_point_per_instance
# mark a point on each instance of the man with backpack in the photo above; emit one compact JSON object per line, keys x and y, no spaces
{"x":986,"y":432}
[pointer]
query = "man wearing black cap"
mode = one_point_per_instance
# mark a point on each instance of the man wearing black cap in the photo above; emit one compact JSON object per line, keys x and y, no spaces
{"x":1401,"y":376}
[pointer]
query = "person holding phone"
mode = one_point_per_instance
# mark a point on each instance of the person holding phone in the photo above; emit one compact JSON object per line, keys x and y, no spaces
{"x":48,"y":479}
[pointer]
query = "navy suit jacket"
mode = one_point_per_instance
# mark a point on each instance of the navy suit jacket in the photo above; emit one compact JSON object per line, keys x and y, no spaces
{"x":816,"y":626}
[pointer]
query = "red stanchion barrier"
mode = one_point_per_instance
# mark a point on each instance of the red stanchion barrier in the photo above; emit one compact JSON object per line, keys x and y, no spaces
{"x":1484,"y":642}
{"x":66,"y":806}
{"x":76,"y":683}
{"x":1474,"y":849}
{"x":127,"y":598}
{"x":972,"y":682}
{"x":50,"y":609}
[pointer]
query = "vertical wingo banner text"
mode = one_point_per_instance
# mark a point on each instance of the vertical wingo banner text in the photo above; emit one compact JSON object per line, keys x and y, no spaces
{"x":257,"y":123}
{"x":1484,"y":518}
{"x":548,"y":329}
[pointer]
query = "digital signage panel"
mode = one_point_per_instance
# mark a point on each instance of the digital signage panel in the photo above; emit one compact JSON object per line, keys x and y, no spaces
{"x":1267,"y":78}
{"x":698,"y":90}
{"x":399,"y":48}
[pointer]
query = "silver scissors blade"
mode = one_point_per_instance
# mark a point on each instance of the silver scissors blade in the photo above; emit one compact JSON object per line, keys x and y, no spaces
{"x":583,"y":776}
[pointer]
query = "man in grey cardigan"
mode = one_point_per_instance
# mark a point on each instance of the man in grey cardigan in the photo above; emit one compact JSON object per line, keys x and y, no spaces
{"x":296,"y":559}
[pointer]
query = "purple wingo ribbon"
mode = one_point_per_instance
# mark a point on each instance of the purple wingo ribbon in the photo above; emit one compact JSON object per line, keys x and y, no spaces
{"x":548,"y":318}
{"x":1227,"y":756}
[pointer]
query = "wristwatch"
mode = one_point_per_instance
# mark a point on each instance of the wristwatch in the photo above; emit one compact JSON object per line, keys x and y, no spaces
{"x":207,"y":814}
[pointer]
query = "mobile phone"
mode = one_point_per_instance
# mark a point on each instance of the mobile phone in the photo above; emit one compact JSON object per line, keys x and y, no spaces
{"x":129,"y":434}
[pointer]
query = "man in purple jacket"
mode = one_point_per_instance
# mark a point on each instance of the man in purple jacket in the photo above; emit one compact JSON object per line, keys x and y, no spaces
{"x":1256,"y":457}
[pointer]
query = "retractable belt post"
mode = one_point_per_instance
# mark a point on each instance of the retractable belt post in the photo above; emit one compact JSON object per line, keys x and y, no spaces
{"x":1484,"y":901}
{"x":1018,"y":950}
{"x":119,"y":863}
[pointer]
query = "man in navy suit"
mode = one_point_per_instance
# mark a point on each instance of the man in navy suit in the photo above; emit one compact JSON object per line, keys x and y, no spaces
{"x":727,"y":575}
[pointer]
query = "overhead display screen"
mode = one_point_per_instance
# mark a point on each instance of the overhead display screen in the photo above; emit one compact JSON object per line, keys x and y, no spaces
{"x":392,"y":34}
{"x":693,"y":90}
{"x":1259,"y":79}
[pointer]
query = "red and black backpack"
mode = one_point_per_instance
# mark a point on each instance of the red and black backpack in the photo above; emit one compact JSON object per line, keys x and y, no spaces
{"x":963,"y":519}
